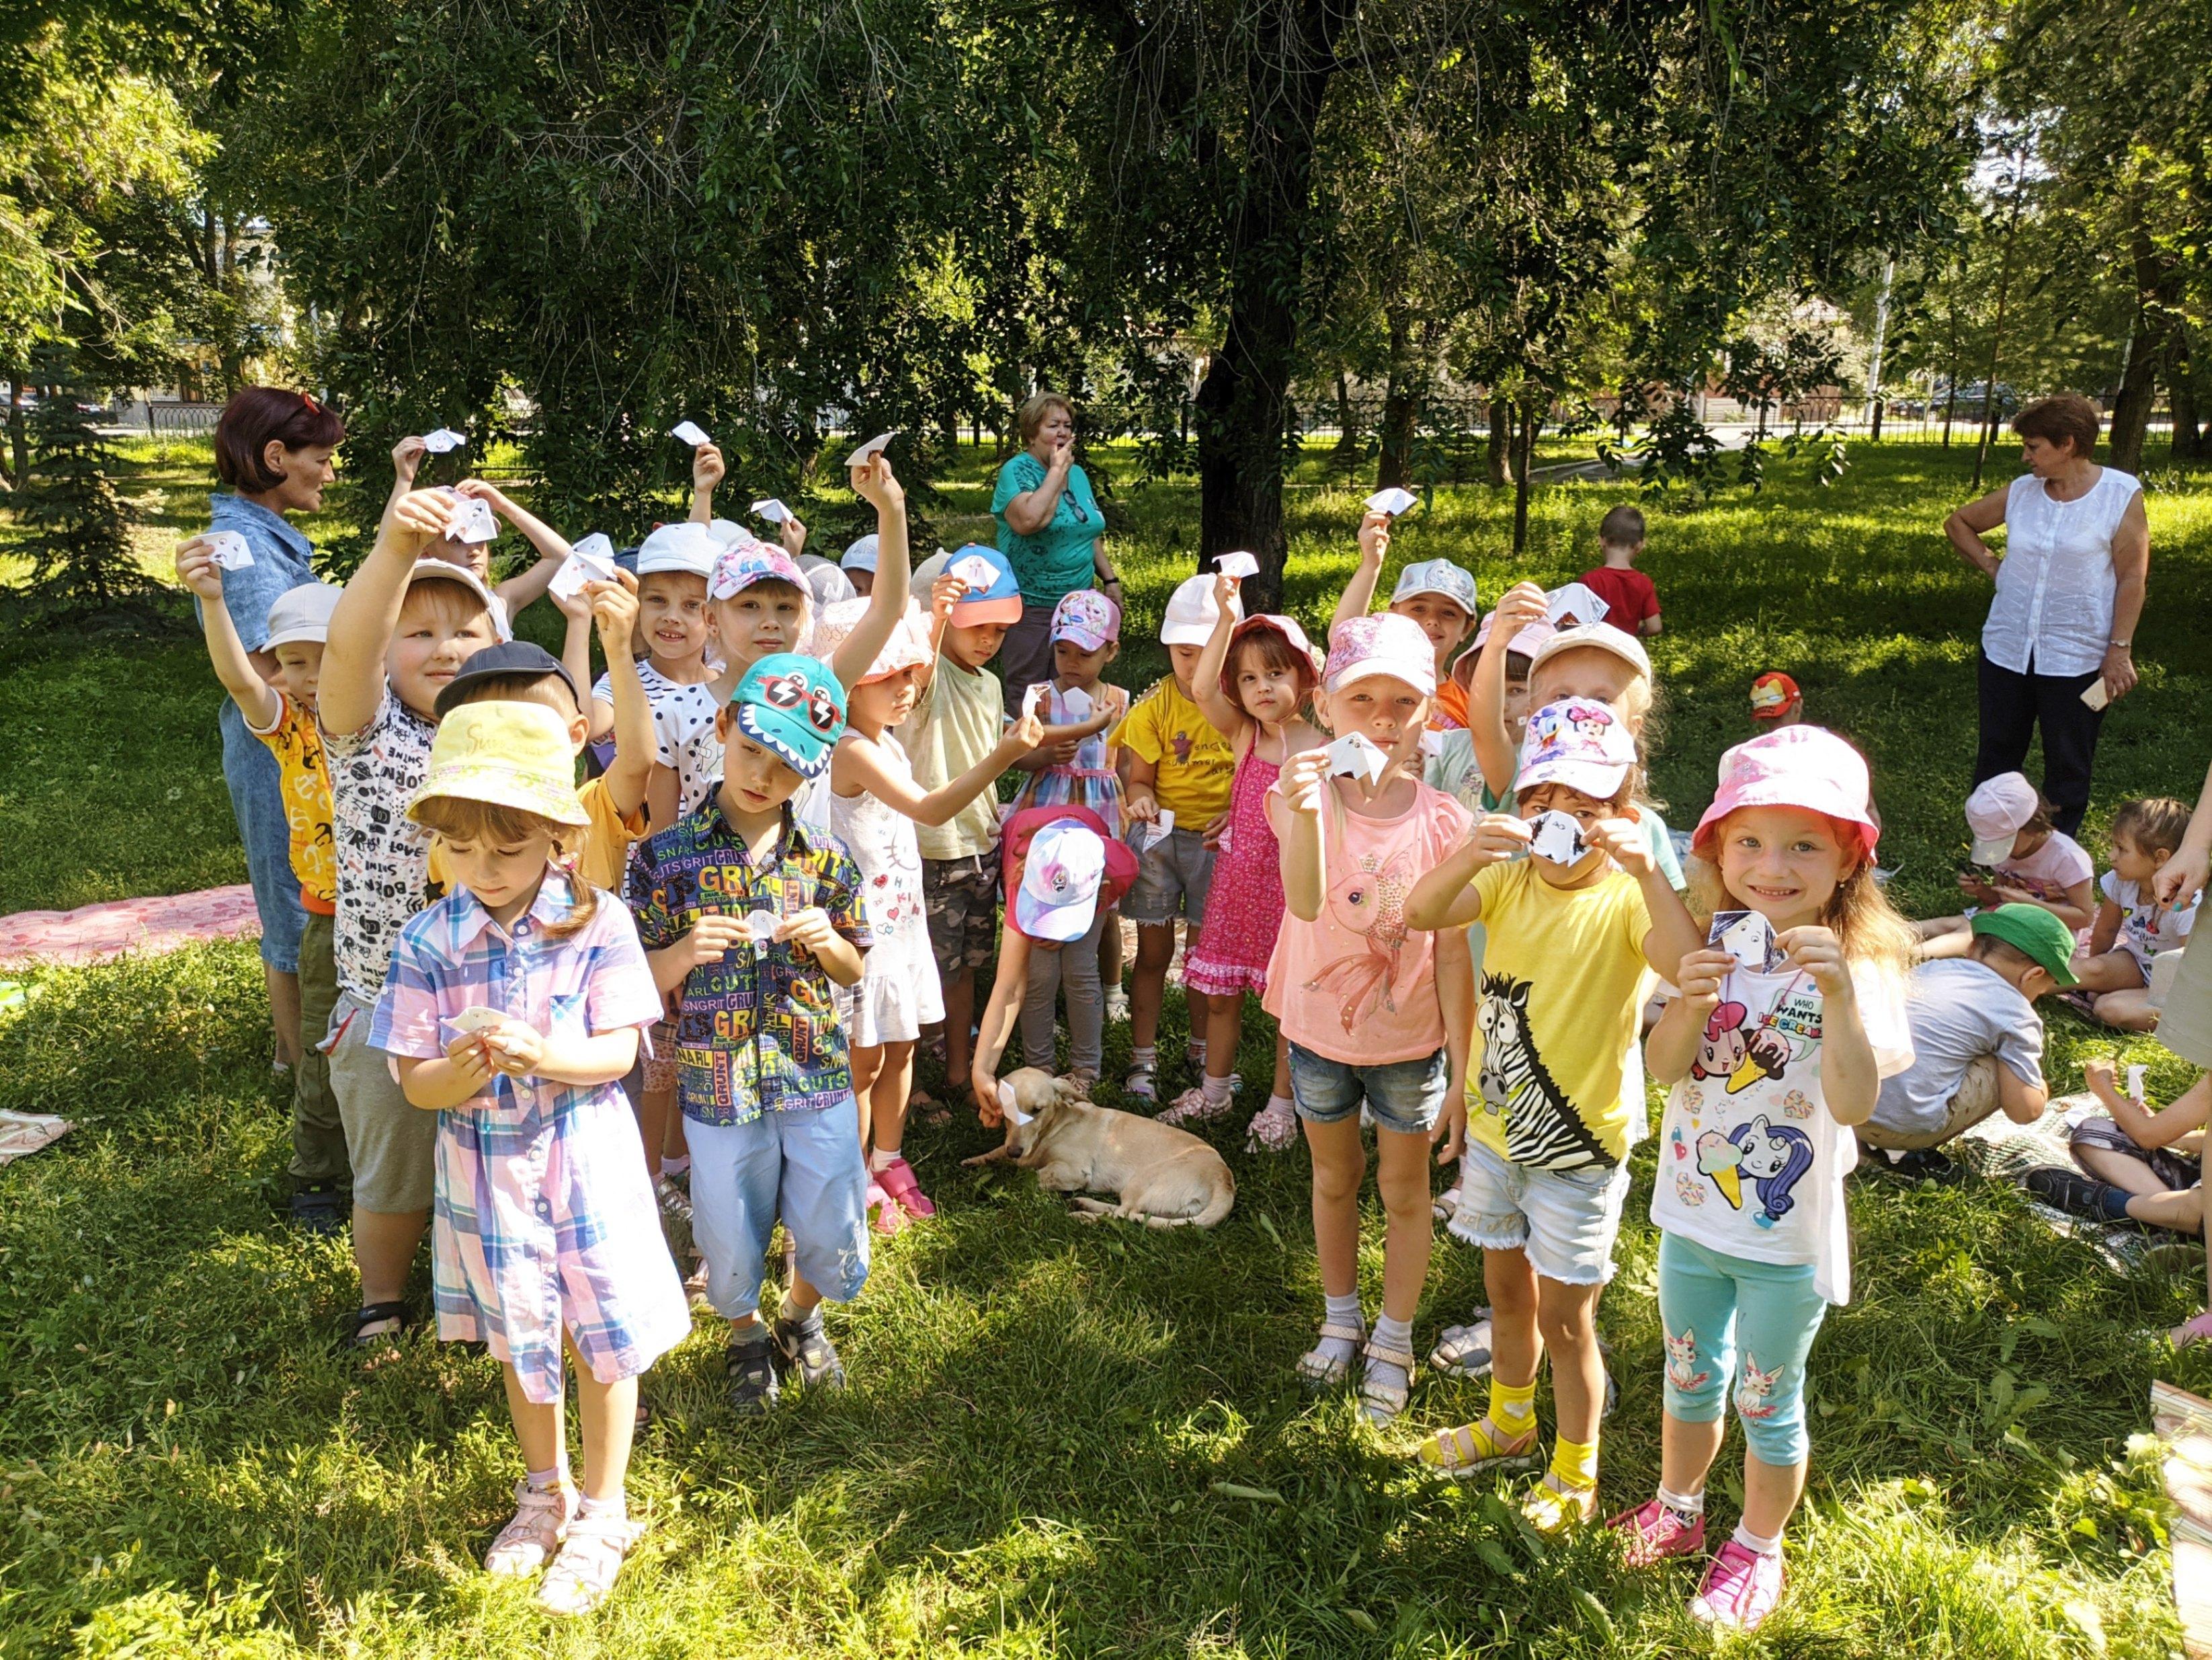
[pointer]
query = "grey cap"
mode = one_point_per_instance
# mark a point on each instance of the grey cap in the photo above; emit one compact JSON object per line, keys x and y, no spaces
{"x":1440,"y":577}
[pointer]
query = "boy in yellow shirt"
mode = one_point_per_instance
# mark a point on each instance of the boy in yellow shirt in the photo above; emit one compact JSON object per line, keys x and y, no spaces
{"x":1175,"y":794}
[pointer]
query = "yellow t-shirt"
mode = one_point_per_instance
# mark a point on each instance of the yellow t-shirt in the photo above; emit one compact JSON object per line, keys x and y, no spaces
{"x":1558,"y":1009}
{"x":306,"y":784}
{"x":1196,"y":765}
{"x":606,"y":841}
{"x":959,"y":721}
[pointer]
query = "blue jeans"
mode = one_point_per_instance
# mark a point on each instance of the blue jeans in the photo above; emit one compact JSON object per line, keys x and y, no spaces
{"x":1404,"y":1096}
{"x":256,"y":801}
{"x":806,"y":1168}
{"x":1713,"y":1307}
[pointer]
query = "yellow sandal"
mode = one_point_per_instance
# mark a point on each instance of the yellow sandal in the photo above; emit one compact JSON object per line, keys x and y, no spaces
{"x":1474,"y":1449}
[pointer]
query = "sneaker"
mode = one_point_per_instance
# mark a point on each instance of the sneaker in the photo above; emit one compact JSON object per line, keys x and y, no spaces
{"x":675,"y":1203}
{"x":1273,"y":1128}
{"x":1741,"y":1588}
{"x":1117,"y":1007}
{"x":1922,"y":1164}
{"x":319,"y":1208}
{"x":1143,"y":1082}
{"x":750,"y":1364}
{"x":2077,"y":1195}
{"x":802,"y":1347}
{"x":1657,"y":1532}
{"x":1193,"y":1106}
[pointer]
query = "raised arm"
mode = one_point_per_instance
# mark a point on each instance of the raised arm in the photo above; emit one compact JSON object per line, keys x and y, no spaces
{"x":707,"y":469}
{"x":406,"y":461}
{"x":255,"y":698}
{"x":874,"y":481}
{"x":1294,"y":808}
{"x":552,"y":547}
{"x":1222,"y":712}
{"x":614,"y":607}
{"x":1359,"y":593}
{"x":1446,"y":896}
{"x":1032,"y":510}
{"x":861,"y":763}
{"x":352,"y":682}
{"x":1967,"y":526}
{"x":1523,"y":604}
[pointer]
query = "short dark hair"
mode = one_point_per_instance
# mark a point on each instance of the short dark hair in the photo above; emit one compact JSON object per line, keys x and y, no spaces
{"x":2065,"y":417}
{"x":1987,"y":946}
{"x":254,"y":416}
{"x":1621,"y":528}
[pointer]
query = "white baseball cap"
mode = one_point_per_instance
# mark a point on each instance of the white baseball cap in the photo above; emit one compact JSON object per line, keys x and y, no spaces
{"x":1059,"y":896}
{"x":686,"y":547}
{"x":1440,"y":577}
{"x":1603,"y":636}
{"x":861,"y":555}
{"x":1997,"y":812}
{"x":1192,"y":612}
{"x":1578,"y":741}
{"x":728,"y":532}
{"x":301,"y":614}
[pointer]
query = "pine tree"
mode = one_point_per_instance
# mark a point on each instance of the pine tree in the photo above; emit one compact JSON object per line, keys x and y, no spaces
{"x":78,"y":524}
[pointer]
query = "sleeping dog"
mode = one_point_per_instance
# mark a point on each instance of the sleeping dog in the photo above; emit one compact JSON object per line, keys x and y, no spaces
{"x":1166,"y":1177}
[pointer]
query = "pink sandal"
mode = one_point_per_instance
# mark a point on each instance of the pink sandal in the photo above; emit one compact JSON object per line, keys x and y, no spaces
{"x":898,"y":1183}
{"x":889,"y":1218}
{"x":2195,"y":1331}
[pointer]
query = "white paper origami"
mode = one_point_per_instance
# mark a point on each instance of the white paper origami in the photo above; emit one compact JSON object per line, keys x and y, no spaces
{"x":977,"y":572}
{"x":1238,"y":565}
{"x":1574,"y":602}
{"x":229,"y":551}
{"x":1556,"y":836}
{"x":761,"y":925}
{"x":690,"y":433}
{"x":1033,"y":699}
{"x":1393,"y":501}
{"x":1014,"y":1114}
{"x":1075,"y":704}
{"x":1747,"y":937}
{"x":475,"y":1018}
{"x":772,"y":510}
{"x":2136,"y":1083}
{"x":1356,"y":755}
{"x":473,"y":521}
{"x":444,"y":441}
{"x":875,"y":446}
{"x":592,"y":560}
{"x":1159,"y":831}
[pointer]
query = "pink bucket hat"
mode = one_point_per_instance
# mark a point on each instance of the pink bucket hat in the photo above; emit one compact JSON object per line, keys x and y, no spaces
{"x":907,"y":648}
{"x":1087,"y":619}
{"x":1381,"y":642}
{"x":1997,"y":812}
{"x":1578,"y":741}
{"x":1289,"y":629}
{"x":1807,"y":767}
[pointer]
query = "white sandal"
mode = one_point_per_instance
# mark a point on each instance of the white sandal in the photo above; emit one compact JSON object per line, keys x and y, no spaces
{"x":1317,"y":1371}
{"x":542,"y":1516}
{"x":591,"y":1556}
{"x":1382,"y":1401}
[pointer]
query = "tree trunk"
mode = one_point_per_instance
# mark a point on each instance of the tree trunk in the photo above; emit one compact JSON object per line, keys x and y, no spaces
{"x":1990,"y":408}
{"x":2181,"y":397}
{"x":1401,"y":407}
{"x":1347,"y":432}
{"x":19,"y":436}
{"x":2139,"y":378}
{"x":1524,"y":456}
{"x":1243,"y":404}
{"x":1501,"y":437}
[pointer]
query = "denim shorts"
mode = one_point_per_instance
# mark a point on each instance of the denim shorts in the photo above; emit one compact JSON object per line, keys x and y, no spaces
{"x":1566,"y":1220}
{"x":256,"y":801}
{"x":1405,"y":1096}
{"x":1173,"y":876}
{"x":803,"y":1168}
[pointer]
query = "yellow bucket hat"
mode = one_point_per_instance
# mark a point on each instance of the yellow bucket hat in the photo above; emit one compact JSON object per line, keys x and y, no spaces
{"x":510,"y":755}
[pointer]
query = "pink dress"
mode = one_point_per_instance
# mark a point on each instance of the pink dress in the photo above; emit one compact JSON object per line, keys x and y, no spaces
{"x":1244,"y":909}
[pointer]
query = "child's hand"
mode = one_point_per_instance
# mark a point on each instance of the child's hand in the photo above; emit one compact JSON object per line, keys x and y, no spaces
{"x":1523,"y":603}
{"x":407,"y":458}
{"x":1374,"y":538}
{"x":1820,"y":954}
{"x":2008,"y":895}
{"x":576,"y":607}
{"x":487,"y":494}
{"x":421,"y":518}
{"x":793,"y":531}
{"x":514,"y":1049}
{"x":1224,"y":591}
{"x":614,"y":607}
{"x":1500,"y":836}
{"x":713,"y":937}
{"x":1303,"y":777}
{"x":1025,"y":734}
{"x":874,"y":482}
{"x":1700,"y":978}
{"x":1140,"y":807}
{"x":2102,"y":1076}
{"x":1210,"y":836}
{"x":471,"y":1060}
{"x":707,"y":469}
{"x":197,"y":570}
{"x":945,"y":593}
{"x":808,"y":930}
{"x":1450,"y":1129}
{"x":1624,"y":843}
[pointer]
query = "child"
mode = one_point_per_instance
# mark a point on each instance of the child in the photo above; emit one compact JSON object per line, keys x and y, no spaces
{"x":2029,"y":862}
{"x":956,"y":724}
{"x":1631,"y":603}
{"x":545,"y":1230}
{"x":1769,"y":1073}
{"x":1179,"y":764}
{"x":400,"y":631}
{"x":874,"y":806}
{"x":1435,"y":593}
{"x":2132,"y":930}
{"x":1064,"y":872}
{"x":1253,"y":682}
{"x":2139,"y":1164}
{"x":859,"y":564}
{"x":1557,"y":1102}
{"x":1976,"y":1042}
{"x":1370,"y":1008}
{"x":1452,"y":767}
{"x":673,"y":564}
{"x":283,"y":716}
{"x":512,"y":595}
{"x":1776,"y":702}
{"x":1074,"y":762}
{"x":766,"y":1082}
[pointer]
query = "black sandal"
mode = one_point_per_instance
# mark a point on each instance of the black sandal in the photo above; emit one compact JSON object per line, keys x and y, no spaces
{"x":750,"y":1364}
{"x":804,"y":1348}
{"x":375,"y":1314}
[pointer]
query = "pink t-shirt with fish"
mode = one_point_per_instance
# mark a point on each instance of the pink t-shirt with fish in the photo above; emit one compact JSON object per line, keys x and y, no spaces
{"x":1356,"y":984}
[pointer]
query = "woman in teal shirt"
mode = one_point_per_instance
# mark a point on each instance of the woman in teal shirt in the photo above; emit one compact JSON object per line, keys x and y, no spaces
{"x":1049,"y":529}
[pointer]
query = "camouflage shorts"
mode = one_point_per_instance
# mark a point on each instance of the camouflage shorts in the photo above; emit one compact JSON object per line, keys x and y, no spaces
{"x":962,"y":896}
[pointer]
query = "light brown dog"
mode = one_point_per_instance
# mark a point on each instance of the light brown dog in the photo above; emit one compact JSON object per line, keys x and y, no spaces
{"x":1166,"y":1177}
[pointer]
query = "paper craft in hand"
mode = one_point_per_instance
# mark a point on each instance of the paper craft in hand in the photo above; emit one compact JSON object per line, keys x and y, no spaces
{"x":472,"y":521}
{"x":874,"y":446}
{"x":1393,"y":501}
{"x":2096,"y":694}
{"x":1556,"y":836}
{"x":1159,"y":831}
{"x":1012,"y":1114}
{"x":1033,"y":701}
{"x":977,"y":572}
{"x":1075,"y":705}
{"x":761,"y":925}
{"x":592,"y":560}
{"x":772,"y":510}
{"x":1747,"y":937}
{"x":475,"y":1018}
{"x":444,"y":441}
{"x":1238,"y":565}
{"x":228,"y":550}
{"x":1573,"y":604}
{"x":690,"y":433}
{"x":1356,"y":755}
{"x":2135,"y":1082}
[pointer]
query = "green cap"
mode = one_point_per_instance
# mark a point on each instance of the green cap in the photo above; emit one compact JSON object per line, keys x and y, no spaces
{"x":2035,"y":931}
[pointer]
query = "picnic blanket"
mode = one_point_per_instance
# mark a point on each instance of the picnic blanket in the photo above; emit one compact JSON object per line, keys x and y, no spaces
{"x":98,"y":934}
{"x":1999,"y":1150}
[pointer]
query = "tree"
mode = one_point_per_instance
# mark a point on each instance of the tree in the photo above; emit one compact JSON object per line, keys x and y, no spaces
{"x":76,"y":523}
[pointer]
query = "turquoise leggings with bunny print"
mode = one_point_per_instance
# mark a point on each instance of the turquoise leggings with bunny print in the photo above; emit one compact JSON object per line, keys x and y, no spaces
{"x":1713,"y":1308}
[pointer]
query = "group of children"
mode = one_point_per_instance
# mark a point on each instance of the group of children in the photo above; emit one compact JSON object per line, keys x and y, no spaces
{"x":1439,"y":870}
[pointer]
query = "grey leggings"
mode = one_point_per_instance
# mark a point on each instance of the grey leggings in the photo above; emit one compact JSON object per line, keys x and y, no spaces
{"x":1074,"y":968}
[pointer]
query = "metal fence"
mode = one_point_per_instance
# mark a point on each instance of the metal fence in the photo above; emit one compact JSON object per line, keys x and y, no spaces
{"x":182,"y":418}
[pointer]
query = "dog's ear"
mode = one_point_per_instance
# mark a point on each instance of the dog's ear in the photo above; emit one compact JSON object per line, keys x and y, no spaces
{"x":1066,"y":1091}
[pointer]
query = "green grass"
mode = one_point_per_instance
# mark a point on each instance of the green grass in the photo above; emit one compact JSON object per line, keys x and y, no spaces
{"x":1028,"y":1461}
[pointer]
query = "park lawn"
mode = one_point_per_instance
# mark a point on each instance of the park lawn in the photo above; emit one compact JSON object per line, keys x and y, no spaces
{"x":1055,"y":1432}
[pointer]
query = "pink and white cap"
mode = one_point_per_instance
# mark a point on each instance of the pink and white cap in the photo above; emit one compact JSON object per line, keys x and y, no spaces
{"x":1806,"y":767}
{"x":907,"y":648}
{"x":743,"y":563}
{"x":1289,"y":629}
{"x":1578,"y":741}
{"x":1529,"y":642}
{"x":1058,"y":898}
{"x":1997,"y":812}
{"x":1381,"y":642}
{"x":1086,"y":618}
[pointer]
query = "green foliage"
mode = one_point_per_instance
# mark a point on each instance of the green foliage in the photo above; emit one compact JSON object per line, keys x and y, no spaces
{"x":77,"y":524}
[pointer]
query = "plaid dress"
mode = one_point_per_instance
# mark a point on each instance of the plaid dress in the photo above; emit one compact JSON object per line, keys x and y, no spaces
{"x":543,"y":1216}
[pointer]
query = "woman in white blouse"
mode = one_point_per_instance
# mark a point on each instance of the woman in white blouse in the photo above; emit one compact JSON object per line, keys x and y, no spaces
{"x":2069,"y":587}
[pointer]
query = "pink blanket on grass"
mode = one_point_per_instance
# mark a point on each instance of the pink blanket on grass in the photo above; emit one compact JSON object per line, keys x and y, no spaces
{"x":98,"y":934}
